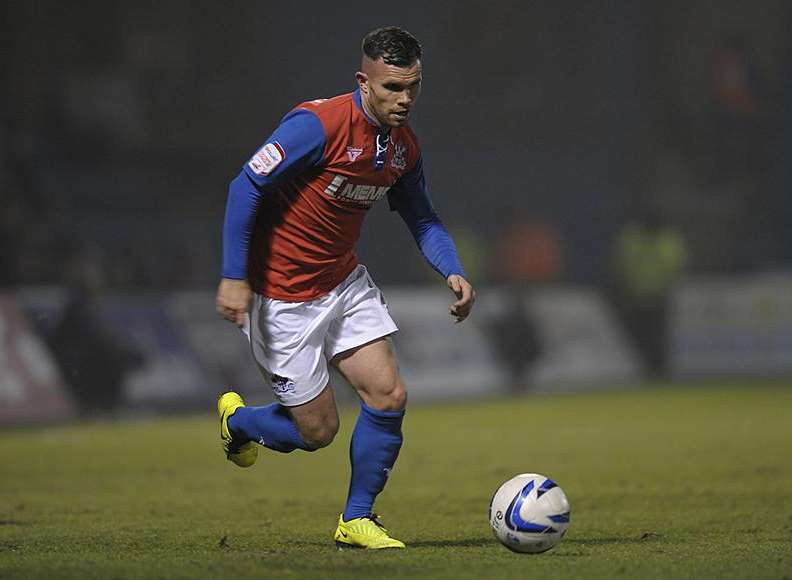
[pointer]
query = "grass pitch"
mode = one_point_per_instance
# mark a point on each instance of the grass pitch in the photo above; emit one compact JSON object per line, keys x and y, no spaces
{"x":671,"y":482}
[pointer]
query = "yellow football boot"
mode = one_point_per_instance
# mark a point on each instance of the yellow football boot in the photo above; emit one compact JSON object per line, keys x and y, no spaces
{"x":365,"y":533}
{"x":241,"y":454}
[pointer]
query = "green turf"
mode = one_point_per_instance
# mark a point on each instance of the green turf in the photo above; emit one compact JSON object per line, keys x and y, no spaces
{"x":676,"y":483}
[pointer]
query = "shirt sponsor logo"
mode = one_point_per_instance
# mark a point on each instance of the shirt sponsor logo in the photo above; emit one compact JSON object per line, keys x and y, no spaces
{"x":267,"y":159}
{"x":353,"y":153}
{"x":282,"y":385}
{"x":365,"y":195}
{"x":399,"y":160}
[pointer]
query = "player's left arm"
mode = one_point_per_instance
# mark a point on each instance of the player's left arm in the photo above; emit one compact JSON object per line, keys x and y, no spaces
{"x":410,"y":197}
{"x":296,"y":145}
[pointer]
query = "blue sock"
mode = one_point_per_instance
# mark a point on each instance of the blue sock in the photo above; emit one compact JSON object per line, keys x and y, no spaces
{"x":271,"y":426}
{"x":375,"y":446}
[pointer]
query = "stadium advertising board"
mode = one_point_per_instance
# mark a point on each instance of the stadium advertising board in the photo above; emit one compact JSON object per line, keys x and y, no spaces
{"x":563,"y":338}
{"x":167,"y":370}
{"x":171,"y":371}
{"x":579,"y":345}
{"x":582,"y":344}
{"x":439,"y":359}
{"x":222,"y":349}
{"x":734,"y":327}
{"x":566,"y":337}
{"x":31,"y":388}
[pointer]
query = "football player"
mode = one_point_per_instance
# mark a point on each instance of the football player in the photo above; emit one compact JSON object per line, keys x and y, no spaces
{"x":291,"y":278}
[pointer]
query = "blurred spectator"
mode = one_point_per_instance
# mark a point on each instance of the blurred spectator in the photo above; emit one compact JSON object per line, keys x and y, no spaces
{"x":649,"y":258}
{"x":740,"y":96}
{"x":92,"y":353}
{"x":10,"y":234}
{"x":515,"y":337}
{"x":528,"y":250}
{"x":527,"y":253}
{"x":29,"y":248}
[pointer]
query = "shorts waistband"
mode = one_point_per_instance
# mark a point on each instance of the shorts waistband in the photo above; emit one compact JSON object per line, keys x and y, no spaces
{"x":359,"y":271}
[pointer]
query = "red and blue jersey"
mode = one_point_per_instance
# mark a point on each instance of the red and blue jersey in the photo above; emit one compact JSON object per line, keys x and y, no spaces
{"x":296,"y":210}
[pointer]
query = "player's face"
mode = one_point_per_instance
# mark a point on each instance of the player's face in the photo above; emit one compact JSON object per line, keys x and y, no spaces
{"x":389,"y":92}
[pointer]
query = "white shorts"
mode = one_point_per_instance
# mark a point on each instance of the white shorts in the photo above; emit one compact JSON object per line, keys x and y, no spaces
{"x":292,"y":342}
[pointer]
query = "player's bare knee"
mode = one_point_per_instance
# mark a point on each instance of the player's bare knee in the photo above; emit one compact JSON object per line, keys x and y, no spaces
{"x":391,"y":399}
{"x":398,"y":398}
{"x":320,"y":435}
{"x":318,"y":440}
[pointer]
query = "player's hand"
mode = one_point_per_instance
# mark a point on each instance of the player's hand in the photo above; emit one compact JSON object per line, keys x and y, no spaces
{"x":233,"y":300}
{"x":465,"y":294}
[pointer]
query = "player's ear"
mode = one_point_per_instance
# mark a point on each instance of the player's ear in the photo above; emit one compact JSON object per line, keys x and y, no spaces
{"x":362,"y":80}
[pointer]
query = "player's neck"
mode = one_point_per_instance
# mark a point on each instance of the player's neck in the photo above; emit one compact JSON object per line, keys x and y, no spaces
{"x":381,"y":127}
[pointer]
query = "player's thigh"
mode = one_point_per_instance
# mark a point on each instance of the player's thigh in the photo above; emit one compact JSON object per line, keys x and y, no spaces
{"x":373,"y":371}
{"x":287,"y":342}
{"x":357,"y":343}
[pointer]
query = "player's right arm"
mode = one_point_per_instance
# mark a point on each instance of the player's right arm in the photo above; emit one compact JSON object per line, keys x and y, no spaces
{"x":297,"y":144}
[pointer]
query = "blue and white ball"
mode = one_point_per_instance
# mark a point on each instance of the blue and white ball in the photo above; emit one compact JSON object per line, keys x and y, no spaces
{"x":529,"y":513}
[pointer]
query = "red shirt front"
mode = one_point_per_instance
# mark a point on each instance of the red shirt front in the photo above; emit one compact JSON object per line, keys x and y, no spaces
{"x":318,"y":190}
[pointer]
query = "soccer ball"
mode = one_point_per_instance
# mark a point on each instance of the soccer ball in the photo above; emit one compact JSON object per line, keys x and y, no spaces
{"x":529,"y":513}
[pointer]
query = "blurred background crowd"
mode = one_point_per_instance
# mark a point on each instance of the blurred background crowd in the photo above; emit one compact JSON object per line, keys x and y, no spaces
{"x":618,"y":147}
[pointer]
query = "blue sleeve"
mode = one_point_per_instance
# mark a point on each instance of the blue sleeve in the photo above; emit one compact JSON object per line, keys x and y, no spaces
{"x":410,"y":197}
{"x":296,"y":145}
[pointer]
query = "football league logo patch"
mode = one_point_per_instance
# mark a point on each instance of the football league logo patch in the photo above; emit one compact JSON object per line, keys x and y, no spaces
{"x":267,"y":159}
{"x":353,"y":153}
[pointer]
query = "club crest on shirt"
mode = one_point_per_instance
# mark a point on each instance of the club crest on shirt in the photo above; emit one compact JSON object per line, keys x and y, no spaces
{"x":399,"y":160}
{"x":353,"y":153}
{"x":267,"y":158}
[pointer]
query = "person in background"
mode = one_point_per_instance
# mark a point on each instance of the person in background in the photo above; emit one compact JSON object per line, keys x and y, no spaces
{"x":742,"y":112}
{"x":92,"y":353}
{"x":528,"y":253}
{"x":649,"y":258}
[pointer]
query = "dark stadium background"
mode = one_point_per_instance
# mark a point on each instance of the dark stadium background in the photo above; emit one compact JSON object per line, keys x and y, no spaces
{"x":123,"y":122}
{"x":617,"y":177}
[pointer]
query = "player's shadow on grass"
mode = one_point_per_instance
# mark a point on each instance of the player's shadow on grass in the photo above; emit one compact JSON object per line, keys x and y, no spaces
{"x":463,"y":543}
{"x":604,"y":541}
{"x":479,"y":542}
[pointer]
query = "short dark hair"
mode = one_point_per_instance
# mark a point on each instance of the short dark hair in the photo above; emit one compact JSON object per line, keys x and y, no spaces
{"x":394,"y":45}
